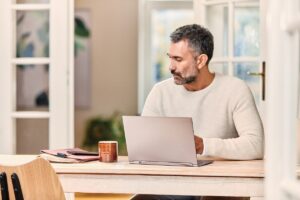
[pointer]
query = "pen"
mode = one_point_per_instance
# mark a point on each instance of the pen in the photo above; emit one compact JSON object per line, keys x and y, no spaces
{"x":83,"y":153}
{"x":62,"y":155}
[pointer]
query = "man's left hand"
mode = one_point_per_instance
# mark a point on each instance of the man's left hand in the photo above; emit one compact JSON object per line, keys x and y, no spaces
{"x":199,"y":144}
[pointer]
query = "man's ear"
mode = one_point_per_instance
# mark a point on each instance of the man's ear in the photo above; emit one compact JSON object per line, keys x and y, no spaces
{"x":202,"y":60}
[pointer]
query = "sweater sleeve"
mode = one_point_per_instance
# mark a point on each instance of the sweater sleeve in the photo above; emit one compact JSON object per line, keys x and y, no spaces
{"x":250,"y":141}
{"x":152,"y":105}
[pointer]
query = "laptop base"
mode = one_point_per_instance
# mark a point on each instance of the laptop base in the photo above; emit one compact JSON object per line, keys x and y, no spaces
{"x":199,"y":163}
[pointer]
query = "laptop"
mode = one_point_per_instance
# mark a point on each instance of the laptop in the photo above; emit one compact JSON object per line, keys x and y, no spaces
{"x":161,"y":141}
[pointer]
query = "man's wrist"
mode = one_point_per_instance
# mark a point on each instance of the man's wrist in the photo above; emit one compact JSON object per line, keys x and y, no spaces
{"x":203,"y":148}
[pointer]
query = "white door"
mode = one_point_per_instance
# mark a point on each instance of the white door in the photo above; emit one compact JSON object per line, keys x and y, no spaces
{"x":36,"y":75}
{"x":277,"y":36}
{"x":238,"y":36}
{"x":283,"y":26}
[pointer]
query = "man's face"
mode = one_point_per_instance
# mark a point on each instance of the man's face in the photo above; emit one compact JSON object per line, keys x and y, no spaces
{"x":183,"y":63}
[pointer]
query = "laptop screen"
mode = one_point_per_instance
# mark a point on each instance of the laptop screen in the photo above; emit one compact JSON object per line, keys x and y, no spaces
{"x":160,"y":140}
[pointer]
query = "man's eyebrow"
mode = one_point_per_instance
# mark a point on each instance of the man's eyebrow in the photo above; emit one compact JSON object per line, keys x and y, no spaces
{"x":174,"y":57}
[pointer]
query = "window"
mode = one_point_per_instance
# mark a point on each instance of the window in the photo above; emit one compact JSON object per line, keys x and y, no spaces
{"x":36,"y":75}
{"x":236,"y":29}
{"x":157,"y":20}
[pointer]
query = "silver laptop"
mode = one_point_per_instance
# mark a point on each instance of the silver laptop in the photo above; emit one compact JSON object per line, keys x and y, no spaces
{"x":161,"y":141}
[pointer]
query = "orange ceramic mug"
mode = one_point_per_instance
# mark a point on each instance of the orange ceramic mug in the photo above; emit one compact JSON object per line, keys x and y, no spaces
{"x":108,"y":151}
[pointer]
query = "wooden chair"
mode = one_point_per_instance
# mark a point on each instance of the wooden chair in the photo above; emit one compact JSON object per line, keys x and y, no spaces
{"x":38,"y":180}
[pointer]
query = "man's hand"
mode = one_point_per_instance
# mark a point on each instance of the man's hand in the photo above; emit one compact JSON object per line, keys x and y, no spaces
{"x":199,"y":144}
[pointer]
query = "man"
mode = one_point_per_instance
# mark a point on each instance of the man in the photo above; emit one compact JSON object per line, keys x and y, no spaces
{"x":225,"y":118}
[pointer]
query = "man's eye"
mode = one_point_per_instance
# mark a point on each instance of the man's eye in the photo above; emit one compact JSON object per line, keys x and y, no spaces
{"x":178,"y":59}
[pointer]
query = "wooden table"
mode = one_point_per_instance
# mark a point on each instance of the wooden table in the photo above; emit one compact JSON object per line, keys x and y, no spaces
{"x":221,"y":178}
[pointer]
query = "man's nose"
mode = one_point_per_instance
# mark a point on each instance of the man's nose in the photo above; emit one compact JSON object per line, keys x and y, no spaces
{"x":172,"y":67}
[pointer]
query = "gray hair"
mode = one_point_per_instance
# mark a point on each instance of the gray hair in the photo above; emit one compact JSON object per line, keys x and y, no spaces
{"x":199,"y":39}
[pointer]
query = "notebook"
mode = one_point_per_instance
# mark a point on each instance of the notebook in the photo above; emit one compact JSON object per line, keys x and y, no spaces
{"x":161,"y":141}
{"x":69,"y":155}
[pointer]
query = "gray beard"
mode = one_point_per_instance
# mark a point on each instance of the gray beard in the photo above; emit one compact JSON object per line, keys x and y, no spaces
{"x":187,"y":80}
{"x":190,"y":79}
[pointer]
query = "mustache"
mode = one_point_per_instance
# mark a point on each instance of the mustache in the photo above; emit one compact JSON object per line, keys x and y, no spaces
{"x":175,"y":73}
{"x":184,"y":80}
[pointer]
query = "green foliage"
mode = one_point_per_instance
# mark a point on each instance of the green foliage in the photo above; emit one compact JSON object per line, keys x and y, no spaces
{"x":105,"y":129}
{"x":82,"y":32}
{"x":80,"y":28}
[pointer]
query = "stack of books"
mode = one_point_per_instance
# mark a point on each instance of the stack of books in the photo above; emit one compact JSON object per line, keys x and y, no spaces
{"x":70,"y":155}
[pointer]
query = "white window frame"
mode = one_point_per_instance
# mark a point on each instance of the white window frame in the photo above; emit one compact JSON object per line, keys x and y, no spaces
{"x":61,"y":73}
{"x":200,"y":9}
{"x":200,"y":16}
{"x":145,"y":82}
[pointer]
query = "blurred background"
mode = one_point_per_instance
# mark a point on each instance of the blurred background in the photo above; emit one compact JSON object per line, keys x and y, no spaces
{"x":76,"y":71}
{"x":70,"y":69}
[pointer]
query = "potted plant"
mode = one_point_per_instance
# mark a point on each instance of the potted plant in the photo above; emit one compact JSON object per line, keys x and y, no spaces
{"x":105,"y":129}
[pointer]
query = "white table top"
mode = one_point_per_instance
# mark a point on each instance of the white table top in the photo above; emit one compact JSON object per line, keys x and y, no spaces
{"x":221,"y":168}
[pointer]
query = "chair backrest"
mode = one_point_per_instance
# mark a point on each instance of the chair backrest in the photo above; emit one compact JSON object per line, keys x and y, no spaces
{"x":38,"y":181}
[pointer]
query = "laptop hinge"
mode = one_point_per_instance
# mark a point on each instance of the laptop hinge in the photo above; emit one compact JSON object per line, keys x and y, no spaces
{"x":141,"y":162}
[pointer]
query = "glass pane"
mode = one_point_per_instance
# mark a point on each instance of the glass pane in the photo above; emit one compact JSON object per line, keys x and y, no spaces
{"x":254,"y":82}
{"x":32,"y":87}
{"x":221,"y":68}
{"x":217,"y":23}
{"x":246,"y":31}
{"x":32,"y":135}
{"x":32,"y":34}
{"x":164,"y":22}
{"x":32,"y":1}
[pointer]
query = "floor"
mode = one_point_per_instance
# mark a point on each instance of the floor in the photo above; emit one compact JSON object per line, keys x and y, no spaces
{"x":83,"y":196}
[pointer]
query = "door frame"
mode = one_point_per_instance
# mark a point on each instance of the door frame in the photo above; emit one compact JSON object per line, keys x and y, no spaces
{"x":61,"y":73}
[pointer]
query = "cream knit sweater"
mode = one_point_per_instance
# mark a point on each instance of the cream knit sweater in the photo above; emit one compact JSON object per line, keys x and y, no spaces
{"x":224,"y":114}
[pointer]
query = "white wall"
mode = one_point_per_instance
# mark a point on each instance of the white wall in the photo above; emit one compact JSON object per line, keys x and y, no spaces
{"x":113,"y":60}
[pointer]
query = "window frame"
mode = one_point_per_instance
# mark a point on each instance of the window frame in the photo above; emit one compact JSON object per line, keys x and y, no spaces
{"x":61,"y":73}
{"x":145,"y":82}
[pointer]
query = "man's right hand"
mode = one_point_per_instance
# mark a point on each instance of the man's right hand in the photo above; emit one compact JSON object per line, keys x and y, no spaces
{"x":199,"y":144}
